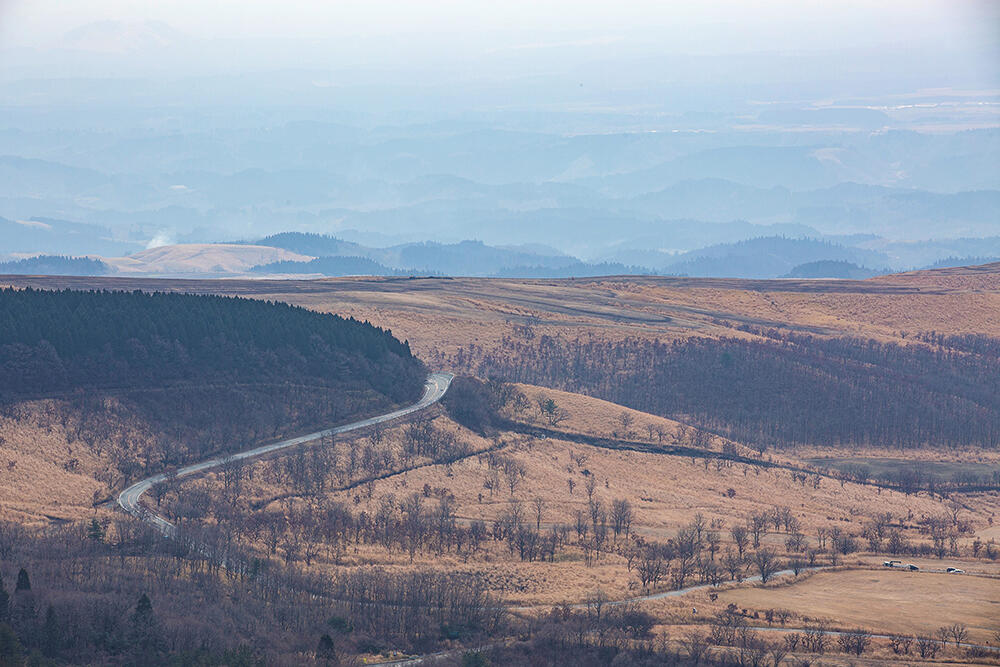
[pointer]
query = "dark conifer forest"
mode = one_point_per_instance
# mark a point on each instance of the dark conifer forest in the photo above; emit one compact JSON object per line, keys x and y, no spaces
{"x":56,"y":265}
{"x":206,"y":373}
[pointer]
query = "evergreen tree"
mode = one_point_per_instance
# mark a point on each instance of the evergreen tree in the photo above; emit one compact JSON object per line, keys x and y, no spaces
{"x":95,"y":531}
{"x":325,"y":650}
{"x":145,"y":635}
{"x":24,"y":612}
{"x":23,"y":582}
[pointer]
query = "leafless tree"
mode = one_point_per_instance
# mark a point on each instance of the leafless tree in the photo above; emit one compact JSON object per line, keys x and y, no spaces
{"x":855,"y":641}
{"x":778,"y":652}
{"x":756,"y":525}
{"x":513,"y":471}
{"x":581,"y":524}
{"x":712,"y":540}
{"x":766,"y":563}
{"x":626,"y":420}
{"x":739,"y":534}
{"x":956,"y":632}
{"x":696,"y":646}
{"x":698,"y":523}
{"x":621,"y":516}
{"x":795,"y":543}
{"x":492,"y":481}
{"x":733,"y":564}
{"x":539,"y":505}
{"x":815,"y":639}
{"x":900,"y":644}
{"x":927,"y":647}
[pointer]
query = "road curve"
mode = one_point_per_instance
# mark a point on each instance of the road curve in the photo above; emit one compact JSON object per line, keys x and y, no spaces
{"x":129,"y":499}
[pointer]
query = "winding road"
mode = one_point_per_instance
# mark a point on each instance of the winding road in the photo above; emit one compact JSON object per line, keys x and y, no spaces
{"x":434,"y":389}
{"x":130,"y":499}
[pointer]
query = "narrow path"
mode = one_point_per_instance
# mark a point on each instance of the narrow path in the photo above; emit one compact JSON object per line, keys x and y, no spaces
{"x":130,"y":499}
{"x":677,"y":592}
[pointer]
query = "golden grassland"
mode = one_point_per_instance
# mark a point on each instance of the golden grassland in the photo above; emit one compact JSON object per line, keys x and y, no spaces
{"x":665,"y":491}
{"x":194,"y":258}
{"x":441,"y":316}
{"x":979,"y":277}
{"x":453,"y":314}
{"x":915,"y":454}
{"x":43,"y":473}
{"x":894,"y":601}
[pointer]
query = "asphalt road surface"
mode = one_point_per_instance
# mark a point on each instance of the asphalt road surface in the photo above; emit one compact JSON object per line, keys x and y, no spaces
{"x":129,"y":499}
{"x":436,"y":386}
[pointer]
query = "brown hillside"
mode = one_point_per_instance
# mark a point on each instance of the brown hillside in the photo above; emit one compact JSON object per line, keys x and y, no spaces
{"x":980,"y":277}
{"x":196,"y":258}
{"x":438,"y":316}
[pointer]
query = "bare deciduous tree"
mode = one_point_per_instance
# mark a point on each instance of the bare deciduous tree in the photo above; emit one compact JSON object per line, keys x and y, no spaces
{"x":539,"y":505}
{"x":766,"y":563}
{"x":740,"y":538}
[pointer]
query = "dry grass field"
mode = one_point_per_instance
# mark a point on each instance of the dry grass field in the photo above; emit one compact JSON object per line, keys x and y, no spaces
{"x":45,"y":475}
{"x":665,"y":491}
{"x":440,"y":316}
{"x":195,"y":258}
{"x":889,"y":601}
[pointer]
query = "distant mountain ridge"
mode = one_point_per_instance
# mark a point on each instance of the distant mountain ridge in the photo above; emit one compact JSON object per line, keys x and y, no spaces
{"x":856,"y":256}
{"x":49,"y":236}
{"x":56,"y":265}
{"x":330,"y":266}
{"x":586,"y":195}
{"x":762,"y":257}
{"x":828,"y":268}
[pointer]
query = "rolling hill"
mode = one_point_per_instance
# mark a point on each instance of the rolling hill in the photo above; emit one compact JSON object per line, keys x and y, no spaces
{"x":201,"y":258}
{"x":141,"y":381}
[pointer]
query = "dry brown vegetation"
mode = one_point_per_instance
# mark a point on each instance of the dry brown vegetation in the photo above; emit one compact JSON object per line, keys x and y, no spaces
{"x":41,"y":473}
{"x":666,"y":492}
{"x":443,"y":315}
{"x":892,"y":601}
{"x":195,"y":258}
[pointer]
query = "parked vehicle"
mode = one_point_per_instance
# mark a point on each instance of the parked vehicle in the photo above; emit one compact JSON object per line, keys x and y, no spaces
{"x":891,"y":563}
{"x":954,"y":570}
{"x":912,"y":567}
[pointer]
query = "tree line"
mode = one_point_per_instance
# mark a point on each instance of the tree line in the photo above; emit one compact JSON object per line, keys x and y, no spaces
{"x":779,"y":388}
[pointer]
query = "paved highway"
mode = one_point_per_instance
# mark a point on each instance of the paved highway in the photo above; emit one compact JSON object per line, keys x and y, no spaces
{"x":436,"y":386}
{"x":129,"y":499}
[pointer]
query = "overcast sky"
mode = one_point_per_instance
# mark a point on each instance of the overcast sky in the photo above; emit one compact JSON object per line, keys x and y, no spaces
{"x":710,"y":27}
{"x":484,"y":54}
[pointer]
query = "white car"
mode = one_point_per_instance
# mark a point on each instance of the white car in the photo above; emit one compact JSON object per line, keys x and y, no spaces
{"x":954,"y":570}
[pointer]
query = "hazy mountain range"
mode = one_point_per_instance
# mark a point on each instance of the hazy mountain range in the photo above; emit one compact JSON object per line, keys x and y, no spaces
{"x":304,"y":254}
{"x":611,"y":158}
